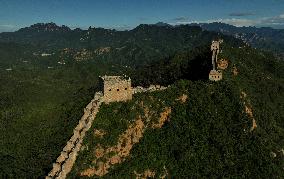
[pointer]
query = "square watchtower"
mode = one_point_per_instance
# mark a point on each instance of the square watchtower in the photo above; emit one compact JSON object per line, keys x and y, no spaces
{"x":116,"y":88}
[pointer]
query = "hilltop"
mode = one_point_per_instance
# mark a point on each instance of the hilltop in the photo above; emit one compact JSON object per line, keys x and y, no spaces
{"x":230,"y":129}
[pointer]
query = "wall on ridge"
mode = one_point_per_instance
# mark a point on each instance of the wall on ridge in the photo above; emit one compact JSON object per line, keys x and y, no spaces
{"x":66,"y":160}
{"x":67,"y":157}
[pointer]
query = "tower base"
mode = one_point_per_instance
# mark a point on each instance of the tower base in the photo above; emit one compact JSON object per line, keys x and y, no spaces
{"x":215,"y":75}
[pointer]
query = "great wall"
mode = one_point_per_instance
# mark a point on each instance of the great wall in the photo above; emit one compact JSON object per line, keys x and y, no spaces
{"x":68,"y":155}
{"x":114,"y":89}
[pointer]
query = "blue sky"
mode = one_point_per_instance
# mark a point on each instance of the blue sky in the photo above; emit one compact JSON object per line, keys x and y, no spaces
{"x":126,"y":14}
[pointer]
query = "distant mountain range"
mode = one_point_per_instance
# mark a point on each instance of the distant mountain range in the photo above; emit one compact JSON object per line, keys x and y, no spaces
{"x":45,"y":27}
{"x":138,"y":46}
{"x":264,"y":38}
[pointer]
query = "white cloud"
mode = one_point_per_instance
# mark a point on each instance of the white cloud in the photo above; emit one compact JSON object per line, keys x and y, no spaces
{"x":232,"y":21}
{"x":7,"y":27}
{"x":182,"y":18}
{"x":275,"y":21}
{"x":119,"y":27}
{"x":241,"y":14}
{"x":239,"y":22}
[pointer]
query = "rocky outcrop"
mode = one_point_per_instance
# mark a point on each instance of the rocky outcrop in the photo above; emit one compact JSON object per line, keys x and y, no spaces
{"x":66,"y":159}
{"x":102,"y":50}
{"x":235,"y":71}
{"x":182,"y":98}
{"x":121,"y":150}
{"x":107,"y":156}
{"x":146,"y":174}
{"x":223,"y":64}
{"x":248,"y":110}
{"x":164,"y":116}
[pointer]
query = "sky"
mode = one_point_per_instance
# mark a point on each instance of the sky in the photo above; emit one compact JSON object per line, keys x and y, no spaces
{"x":127,"y":14}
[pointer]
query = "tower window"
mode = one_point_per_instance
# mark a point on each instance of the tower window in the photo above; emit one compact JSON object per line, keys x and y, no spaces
{"x":125,"y":88}
{"x":117,"y":90}
{"x":109,"y":90}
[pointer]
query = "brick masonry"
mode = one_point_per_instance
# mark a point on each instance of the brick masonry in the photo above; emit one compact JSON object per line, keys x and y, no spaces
{"x":116,"y":88}
{"x":67,"y":157}
{"x":215,"y":75}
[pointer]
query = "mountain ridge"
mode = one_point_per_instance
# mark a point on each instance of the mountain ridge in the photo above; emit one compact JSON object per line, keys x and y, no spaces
{"x":48,"y":86}
{"x":265,"y":38}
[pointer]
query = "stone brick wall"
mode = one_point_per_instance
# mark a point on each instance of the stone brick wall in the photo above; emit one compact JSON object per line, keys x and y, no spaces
{"x":67,"y":157}
{"x":215,"y":75}
{"x":116,"y":88}
{"x":140,"y":89}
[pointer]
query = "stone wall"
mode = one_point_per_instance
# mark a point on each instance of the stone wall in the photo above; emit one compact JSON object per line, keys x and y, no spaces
{"x":140,"y":89}
{"x":68,"y":155}
{"x":66,"y":159}
{"x":215,"y":75}
{"x":116,"y":88}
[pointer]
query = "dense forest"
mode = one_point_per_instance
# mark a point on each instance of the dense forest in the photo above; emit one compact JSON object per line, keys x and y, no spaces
{"x":49,"y":73}
{"x":210,"y":134}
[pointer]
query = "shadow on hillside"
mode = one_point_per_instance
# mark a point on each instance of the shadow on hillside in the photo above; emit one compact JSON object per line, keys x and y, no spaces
{"x":194,"y":65}
{"x":199,"y":67}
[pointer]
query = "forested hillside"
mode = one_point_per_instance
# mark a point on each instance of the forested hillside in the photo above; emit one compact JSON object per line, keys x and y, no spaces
{"x":194,"y":129}
{"x":49,"y":73}
{"x":143,"y":44}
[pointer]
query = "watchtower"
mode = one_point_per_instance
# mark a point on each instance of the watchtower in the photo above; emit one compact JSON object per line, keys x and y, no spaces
{"x":116,"y":88}
{"x":215,"y":75}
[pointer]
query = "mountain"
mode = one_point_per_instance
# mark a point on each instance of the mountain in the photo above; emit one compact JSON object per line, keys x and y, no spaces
{"x":162,"y":24}
{"x":50,"y":75}
{"x":195,"y":128}
{"x":53,"y":36}
{"x":45,"y":27}
{"x":263,"y":38}
{"x":138,"y":46}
